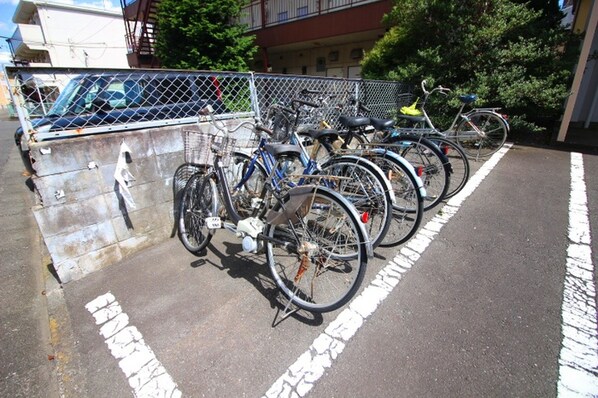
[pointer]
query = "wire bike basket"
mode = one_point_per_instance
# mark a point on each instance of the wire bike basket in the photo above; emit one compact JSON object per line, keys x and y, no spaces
{"x":199,"y":147}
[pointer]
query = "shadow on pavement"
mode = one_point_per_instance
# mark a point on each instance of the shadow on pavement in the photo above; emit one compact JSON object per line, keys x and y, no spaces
{"x":254,"y":270}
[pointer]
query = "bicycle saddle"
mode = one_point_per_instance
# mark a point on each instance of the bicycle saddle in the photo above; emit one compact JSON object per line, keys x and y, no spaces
{"x":280,"y":150}
{"x":468,"y":98}
{"x":354,"y":122}
{"x":382,"y":124}
{"x":325,"y":134}
{"x":414,"y":119}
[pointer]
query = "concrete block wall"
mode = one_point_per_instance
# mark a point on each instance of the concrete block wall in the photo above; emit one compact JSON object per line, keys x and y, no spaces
{"x":84,"y":221}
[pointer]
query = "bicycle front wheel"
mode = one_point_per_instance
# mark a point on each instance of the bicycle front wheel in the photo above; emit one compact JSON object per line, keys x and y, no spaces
{"x":433,"y":165}
{"x":459,"y":164}
{"x":319,"y":256}
{"x":198,"y":201}
{"x":408,"y":209}
{"x":481,"y":134}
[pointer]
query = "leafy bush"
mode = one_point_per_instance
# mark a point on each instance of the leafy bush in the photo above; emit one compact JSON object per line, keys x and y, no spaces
{"x":200,"y":36}
{"x":512,"y":54}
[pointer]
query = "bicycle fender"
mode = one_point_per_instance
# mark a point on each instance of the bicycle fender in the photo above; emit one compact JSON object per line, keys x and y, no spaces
{"x":359,"y":159}
{"x":493,"y":111}
{"x":400,"y":159}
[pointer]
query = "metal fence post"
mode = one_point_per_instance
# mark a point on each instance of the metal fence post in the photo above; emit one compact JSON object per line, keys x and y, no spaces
{"x":19,"y":105}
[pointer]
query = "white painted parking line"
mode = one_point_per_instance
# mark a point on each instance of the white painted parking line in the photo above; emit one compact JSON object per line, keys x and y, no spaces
{"x":145,"y":374}
{"x":578,"y":361}
{"x":301,"y":376}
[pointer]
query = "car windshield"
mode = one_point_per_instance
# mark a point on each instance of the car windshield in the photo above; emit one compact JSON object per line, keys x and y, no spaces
{"x":65,"y":100}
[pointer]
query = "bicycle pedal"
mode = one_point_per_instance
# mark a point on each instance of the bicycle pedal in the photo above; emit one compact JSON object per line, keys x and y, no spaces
{"x":213,"y":222}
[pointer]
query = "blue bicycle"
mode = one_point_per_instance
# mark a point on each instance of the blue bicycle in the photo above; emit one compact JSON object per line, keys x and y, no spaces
{"x":357,"y":179}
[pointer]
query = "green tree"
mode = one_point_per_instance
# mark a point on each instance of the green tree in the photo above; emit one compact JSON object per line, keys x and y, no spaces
{"x":511,"y":53}
{"x":201,"y":35}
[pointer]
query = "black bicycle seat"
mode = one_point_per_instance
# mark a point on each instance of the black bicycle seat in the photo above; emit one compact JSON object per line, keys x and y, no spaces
{"x":415,"y":119}
{"x":325,"y":134}
{"x":280,"y":150}
{"x":354,"y":122}
{"x":382,"y":124}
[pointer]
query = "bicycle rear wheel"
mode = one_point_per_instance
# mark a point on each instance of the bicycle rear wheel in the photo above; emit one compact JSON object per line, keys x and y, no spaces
{"x":319,"y":256}
{"x":408,"y":209}
{"x":366,"y":187}
{"x":481,"y":134}
{"x":198,"y":201}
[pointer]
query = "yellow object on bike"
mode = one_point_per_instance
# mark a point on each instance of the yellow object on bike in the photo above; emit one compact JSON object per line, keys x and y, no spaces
{"x":411,"y":110}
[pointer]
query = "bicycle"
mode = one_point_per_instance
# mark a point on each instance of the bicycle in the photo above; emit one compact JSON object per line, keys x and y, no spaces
{"x":433,"y":166}
{"x":480,"y":131}
{"x":366,"y":187}
{"x":411,"y":146}
{"x":316,"y":247}
{"x":408,"y":188}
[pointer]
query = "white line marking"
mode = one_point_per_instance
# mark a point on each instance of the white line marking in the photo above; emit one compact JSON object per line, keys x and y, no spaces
{"x":301,"y":376}
{"x":578,"y":361}
{"x":146,"y":376}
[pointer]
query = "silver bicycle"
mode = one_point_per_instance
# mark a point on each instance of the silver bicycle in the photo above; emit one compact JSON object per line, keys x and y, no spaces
{"x":480,"y":131}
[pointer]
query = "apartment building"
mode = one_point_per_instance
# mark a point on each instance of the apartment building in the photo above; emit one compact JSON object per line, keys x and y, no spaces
{"x":304,"y":37}
{"x":57,"y":34}
{"x":581,"y":109}
{"x":315,"y":37}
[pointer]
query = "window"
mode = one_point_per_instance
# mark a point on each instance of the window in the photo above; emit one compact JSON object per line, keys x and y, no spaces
{"x":302,"y":12}
{"x":320,"y":64}
{"x":283,"y":16}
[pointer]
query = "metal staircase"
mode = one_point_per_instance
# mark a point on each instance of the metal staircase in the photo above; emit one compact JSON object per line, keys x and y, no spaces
{"x":140,"y":17}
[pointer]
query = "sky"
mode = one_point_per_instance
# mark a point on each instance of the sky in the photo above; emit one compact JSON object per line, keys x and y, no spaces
{"x":7,"y":10}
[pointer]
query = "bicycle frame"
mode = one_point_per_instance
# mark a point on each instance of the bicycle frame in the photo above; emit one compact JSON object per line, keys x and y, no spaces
{"x":432,"y":129}
{"x":269,"y":164}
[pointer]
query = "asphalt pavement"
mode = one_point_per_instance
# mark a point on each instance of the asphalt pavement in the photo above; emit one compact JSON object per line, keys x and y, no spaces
{"x":471,"y":307}
{"x":28,"y":358}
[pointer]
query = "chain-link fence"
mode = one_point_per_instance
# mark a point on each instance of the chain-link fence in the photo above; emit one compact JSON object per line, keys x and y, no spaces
{"x":57,"y":102}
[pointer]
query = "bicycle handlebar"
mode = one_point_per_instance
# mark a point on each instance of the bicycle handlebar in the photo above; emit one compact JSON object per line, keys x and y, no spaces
{"x":209,"y":112}
{"x":307,"y":91}
{"x":440,"y":89}
{"x":285,"y":109}
{"x":302,"y":102}
{"x":264,"y":129}
{"x":363,"y":107}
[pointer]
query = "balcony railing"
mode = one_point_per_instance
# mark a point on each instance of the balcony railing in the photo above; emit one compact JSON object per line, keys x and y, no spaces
{"x":260,"y":13}
{"x":28,"y":38}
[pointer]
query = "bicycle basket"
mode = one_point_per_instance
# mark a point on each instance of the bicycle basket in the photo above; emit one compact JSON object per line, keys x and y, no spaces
{"x":198,"y":147}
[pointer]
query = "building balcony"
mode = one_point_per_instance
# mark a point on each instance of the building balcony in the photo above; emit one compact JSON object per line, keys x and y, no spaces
{"x":301,"y":23}
{"x":261,"y":14}
{"x":28,"y":41}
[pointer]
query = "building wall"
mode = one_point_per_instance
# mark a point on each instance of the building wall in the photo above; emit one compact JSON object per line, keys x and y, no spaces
{"x":332,"y":61}
{"x":77,"y":37}
{"x":586,"y":108}
{"x":320,"y":43}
